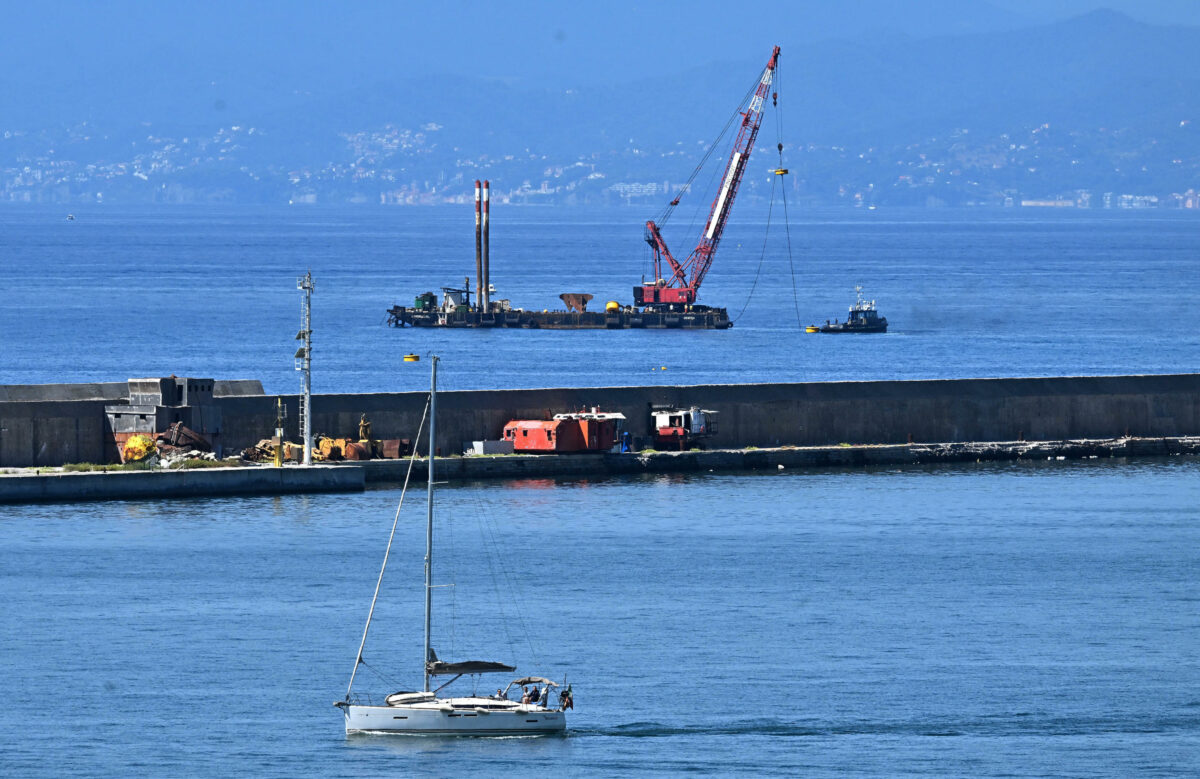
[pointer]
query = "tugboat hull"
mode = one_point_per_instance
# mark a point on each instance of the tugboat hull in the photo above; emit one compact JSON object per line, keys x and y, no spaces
{"x":863,"y":318}
{"x":850,"y":327}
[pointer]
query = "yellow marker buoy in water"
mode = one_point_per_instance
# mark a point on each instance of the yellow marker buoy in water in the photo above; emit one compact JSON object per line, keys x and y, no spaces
{"x":663,"y":368}
{"x":412,"y":358}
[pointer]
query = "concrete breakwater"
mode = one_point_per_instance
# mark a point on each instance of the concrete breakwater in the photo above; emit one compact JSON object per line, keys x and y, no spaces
{"x":29,"y":486}
{"x":32,"y":487}
{"x":772,"y":415}
{"x":56,"y":424}
{"x":551,"y":466}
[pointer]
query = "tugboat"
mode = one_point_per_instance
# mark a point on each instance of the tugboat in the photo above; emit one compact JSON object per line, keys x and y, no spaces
{"x":863,"y":318}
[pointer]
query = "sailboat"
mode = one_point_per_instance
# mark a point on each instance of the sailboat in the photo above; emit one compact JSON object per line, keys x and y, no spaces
{"x":426,"y":711}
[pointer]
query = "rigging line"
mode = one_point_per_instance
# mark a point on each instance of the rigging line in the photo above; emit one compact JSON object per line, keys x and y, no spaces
{"x":718,"y":172}
{"x":491,"y":554}
{"x":763,"y":254}
{"x":516,"y":602}
{"x":493,"y":557}
{"x":665,"y":215}
{"x":377,"y":672}
{"x":489,"y":525}
{"x":387,"y":552}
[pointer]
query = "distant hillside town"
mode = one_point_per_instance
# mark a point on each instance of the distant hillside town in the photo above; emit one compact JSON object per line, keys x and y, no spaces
{"x":1037,"y":167}
{"x":1098,"y":111}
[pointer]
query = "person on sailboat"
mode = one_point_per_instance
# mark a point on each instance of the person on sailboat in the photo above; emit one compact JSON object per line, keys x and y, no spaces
{"x":564,"y":699}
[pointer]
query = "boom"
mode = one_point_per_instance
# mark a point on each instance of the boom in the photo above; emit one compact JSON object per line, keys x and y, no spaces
{"x":683,"y":284}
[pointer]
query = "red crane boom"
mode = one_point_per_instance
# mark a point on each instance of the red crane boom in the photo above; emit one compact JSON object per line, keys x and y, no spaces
{"x":682,"y":285}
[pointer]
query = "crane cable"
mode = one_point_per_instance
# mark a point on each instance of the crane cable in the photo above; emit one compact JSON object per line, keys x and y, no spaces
{"x":770,"y":210}
{"x":783,"y":189}
{"x":665,"y":215}
{"x":762,"y":255}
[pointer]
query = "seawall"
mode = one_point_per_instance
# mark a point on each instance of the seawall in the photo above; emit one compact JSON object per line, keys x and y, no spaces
{"x":800,"y":457}
{"x":30,"y":486}
{"x":66,"y":428}
{"x":766,"y":415}
{"x":205,"y":482}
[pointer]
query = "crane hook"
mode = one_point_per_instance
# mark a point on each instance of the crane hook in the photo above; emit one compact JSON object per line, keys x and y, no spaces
{"x":774,"y":98}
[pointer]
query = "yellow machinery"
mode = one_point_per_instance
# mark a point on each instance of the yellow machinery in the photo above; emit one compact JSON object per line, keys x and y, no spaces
{"x":138,"y":448}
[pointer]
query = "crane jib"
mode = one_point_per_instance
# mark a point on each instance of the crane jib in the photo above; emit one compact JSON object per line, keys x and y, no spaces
{"x":723,"y":198}
{"x":680,"y":288}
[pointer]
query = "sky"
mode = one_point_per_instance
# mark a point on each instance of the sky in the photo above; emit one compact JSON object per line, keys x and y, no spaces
{"x":319,"y":45}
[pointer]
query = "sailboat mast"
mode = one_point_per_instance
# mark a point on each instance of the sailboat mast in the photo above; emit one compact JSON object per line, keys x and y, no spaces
{"x":429,"y":516}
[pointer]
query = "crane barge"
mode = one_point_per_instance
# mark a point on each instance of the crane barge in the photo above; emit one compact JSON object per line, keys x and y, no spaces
{"x":667,"y":301}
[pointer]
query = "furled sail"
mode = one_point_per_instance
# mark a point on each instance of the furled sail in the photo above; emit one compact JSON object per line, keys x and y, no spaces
{"x":435,"y":667}
{"x":439,"y":668}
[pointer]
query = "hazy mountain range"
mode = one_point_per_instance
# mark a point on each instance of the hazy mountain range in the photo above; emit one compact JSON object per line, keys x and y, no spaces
{"x":1099,"y":102}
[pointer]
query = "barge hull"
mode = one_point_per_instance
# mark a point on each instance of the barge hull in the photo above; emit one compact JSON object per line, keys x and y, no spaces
{"x":709,"y":319}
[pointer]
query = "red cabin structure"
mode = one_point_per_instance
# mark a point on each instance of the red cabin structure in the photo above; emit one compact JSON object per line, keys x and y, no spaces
{"x":587,"y":431}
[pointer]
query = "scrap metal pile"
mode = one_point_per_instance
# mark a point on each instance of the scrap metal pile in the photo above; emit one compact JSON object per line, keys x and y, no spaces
{"x":329,"y":449}
{"x":174,"y":445}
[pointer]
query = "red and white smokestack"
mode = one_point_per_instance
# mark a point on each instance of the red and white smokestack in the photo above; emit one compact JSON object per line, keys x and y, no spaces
{"x":487,"y":258}
{"x":478,"y":252}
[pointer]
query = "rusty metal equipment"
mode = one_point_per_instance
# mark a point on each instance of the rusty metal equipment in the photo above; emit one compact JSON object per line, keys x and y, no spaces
{"x":576,"y":301}
{"x":587,"y":431}
{"x":179,"y":438}
{"x":395,"y":448}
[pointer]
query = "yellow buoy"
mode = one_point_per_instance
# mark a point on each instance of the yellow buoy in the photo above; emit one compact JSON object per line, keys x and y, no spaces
{"x":812,"y":329}
{"x":612,"y":305}
{"x":412,"y":358}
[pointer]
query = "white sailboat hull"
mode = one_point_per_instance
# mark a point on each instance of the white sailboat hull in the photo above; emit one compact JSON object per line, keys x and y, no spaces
{"x":432,"y":720}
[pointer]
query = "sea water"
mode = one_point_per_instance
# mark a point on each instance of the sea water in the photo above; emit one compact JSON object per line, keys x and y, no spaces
{"x":1004,"y":619}
{"x":115,"y":294}
{"x":1008,"y":619}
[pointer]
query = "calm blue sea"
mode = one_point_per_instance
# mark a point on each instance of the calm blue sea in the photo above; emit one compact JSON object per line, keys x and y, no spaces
{"x":116,"y":294}
{"x":996,"y":620}
{"x":992,"y":620}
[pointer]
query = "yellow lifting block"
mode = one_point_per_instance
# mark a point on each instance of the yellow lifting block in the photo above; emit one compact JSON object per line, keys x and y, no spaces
{"x":781,"y":171}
